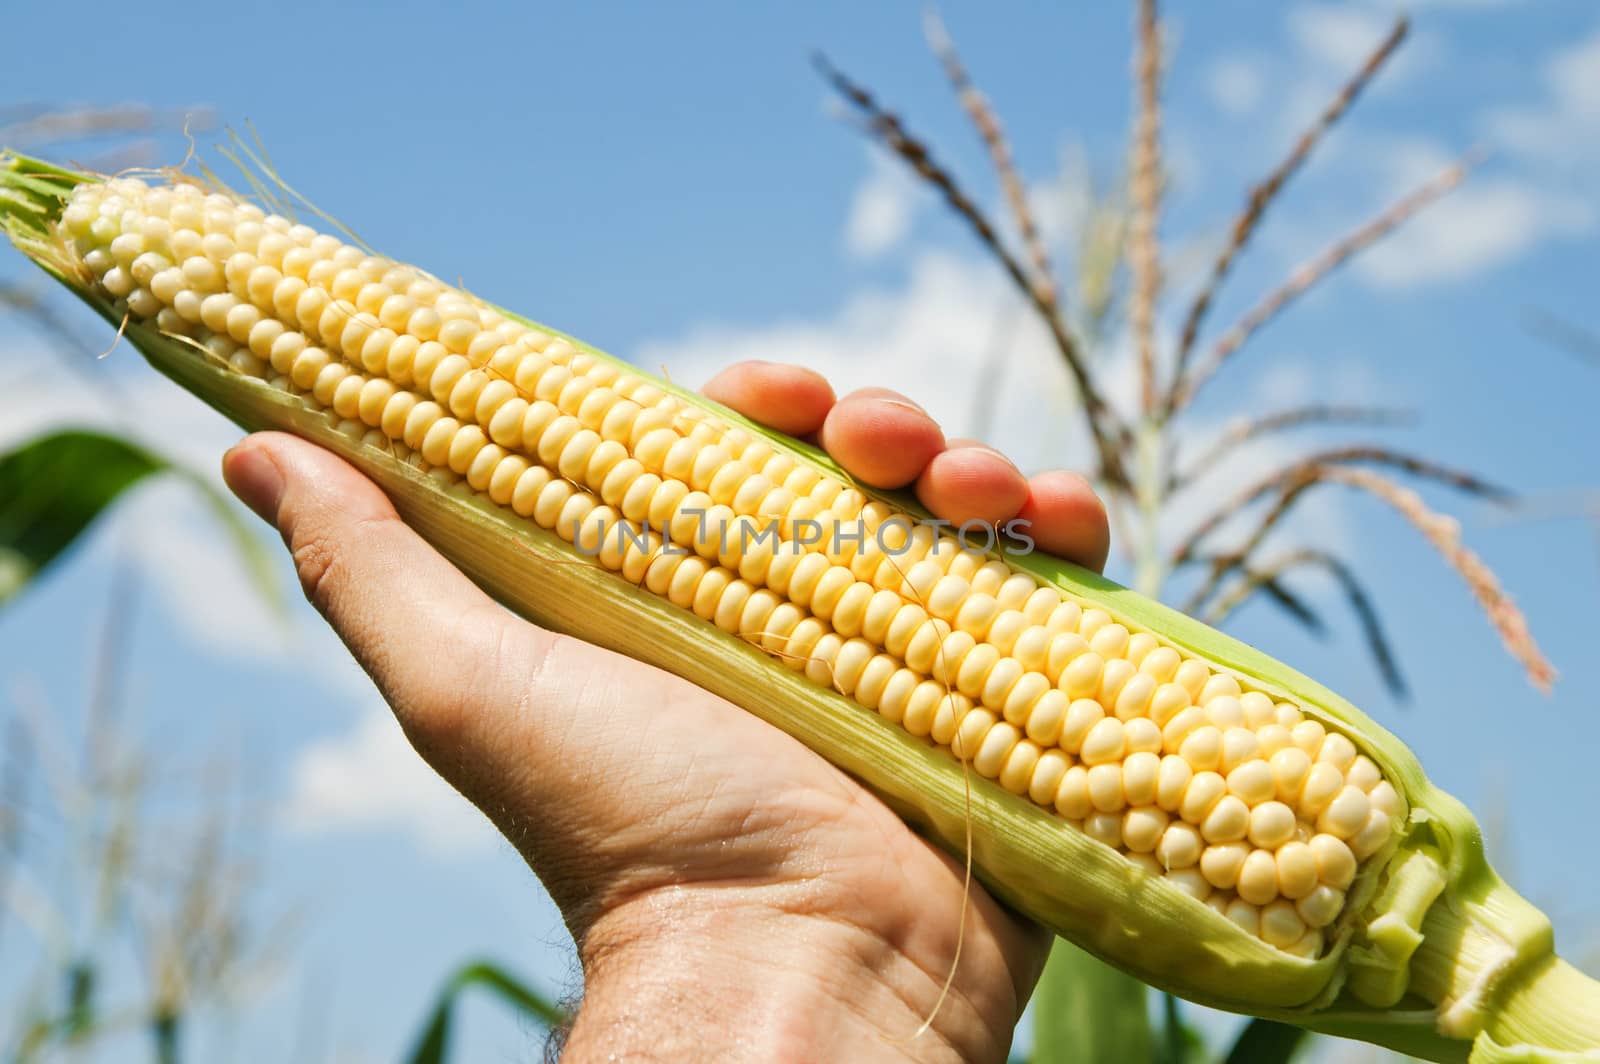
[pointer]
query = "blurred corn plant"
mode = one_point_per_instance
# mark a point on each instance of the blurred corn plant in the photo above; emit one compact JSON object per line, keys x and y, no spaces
{"x":108,"y":853}
{"x":1151,"y":456}
{"x":107,"y":849}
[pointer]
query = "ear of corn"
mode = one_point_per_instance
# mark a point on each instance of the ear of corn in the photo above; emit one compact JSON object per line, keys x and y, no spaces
{"x":1166,"y":797}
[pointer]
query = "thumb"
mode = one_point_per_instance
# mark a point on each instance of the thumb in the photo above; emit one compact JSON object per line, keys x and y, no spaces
{"x":440,"y":650}
{"x":541,"y":731}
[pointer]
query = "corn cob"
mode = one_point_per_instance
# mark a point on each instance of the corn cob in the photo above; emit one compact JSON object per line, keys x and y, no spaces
{"x":1170,"y":799}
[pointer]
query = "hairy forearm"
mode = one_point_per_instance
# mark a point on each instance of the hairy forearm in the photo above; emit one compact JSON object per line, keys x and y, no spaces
{"x":674,"y":981}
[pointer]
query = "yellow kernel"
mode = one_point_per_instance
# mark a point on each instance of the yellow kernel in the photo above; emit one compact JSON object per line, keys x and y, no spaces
{"x":1168,"y":701}
{"x":1105,"y":828}
{"x":1143,"y":828}
{"x":1020,"y":764}
{"x":1180,"y":727}
{"x":1281,"y":926}
{"x":1081,"y":677}
{"x":1000,"y":679}
{"x":1141,"y":735}
{"x":1336,"y":865}
{"x":1308,"y":946}
{"x":1113,"y":676}
{"x":1273,"y":737}
{"x":1141,"y":772}
{"x":1145,"y":862}
{"x":1346,"y":814}
{"x":1105,"y":788}
{"x":1172,"y":782}
{"x":1219,"y":685}
{"x":1180,"y":846}
{"x":1387,"y":800}
{"x":1252,"y":782}
{"x":1105,"y":742}
{"x":1228,"y":821}
{"x":1297,"y":870}
{"x":1222,"y":863}
{"x":1072,"y":795}
{"x":1258,"y":878}
{"x":1271,"y":825}
{"x":1290,"y":768}
{"x":1110,"y":641}
{"x":1337,"y":751}
{"x":1321,"y":907}
{"x":1205,"y":790}
{"x":1192,"y":676}
{"x":995,"y":748}
{"x":1363,"y":773}
{"x":1045,"y":783}
{"x":1246,"y":916}
{"x":1373,"y":836}
{"x":1140,"y":644}
{"x":1308,"y":736}
{"x":1045,"y":722}
{"x":1092,"y":621}
{"x":1323,"y":783}
{"x":1225,"y":712}
{"x":1161,"y":664}
{"x":1203,"y":749}
{"x":1238,"y":746}
{"x":1134,"y":698}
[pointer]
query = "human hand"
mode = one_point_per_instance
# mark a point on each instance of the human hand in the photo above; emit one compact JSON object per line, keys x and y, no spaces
{"x":732,"y":895}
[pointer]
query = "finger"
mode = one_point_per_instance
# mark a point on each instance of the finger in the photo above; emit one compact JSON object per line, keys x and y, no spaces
{"x":791,"y":399}
{"x":881,"y":437}
{"x":389,"y":595}
{"x":972,"y":482}
{"x":1066,"y":518}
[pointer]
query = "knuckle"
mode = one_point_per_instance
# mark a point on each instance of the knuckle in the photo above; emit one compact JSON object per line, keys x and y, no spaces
{"x":323,"y":558}
{"x":319,"y":563}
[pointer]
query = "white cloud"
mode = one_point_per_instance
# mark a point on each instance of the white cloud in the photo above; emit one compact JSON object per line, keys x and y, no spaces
{"x":1336,"y":35}
{"x":1236,"y":85}
{"x":1483,"y":225}
{"x":938,"y":332}
{"x":1563,"y":129}
{"x":1331,"y":42}
{"x":882,"y":210}
{"x":370,"y":778}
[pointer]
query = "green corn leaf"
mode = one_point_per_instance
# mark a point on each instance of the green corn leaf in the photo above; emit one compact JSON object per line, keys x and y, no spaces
{"x":1084,"y":1009}
{"x":433,"y":1046}
{"x":1268,"y":1042}
{"x":55,"y":486}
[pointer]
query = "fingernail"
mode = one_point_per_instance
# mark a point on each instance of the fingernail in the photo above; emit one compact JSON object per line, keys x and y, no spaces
{"x":254,"y":478}
{"x":979,"y":445}
{"x":904,"y":404}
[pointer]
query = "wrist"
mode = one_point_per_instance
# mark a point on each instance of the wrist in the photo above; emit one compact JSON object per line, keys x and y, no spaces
{"x":699,"y":973}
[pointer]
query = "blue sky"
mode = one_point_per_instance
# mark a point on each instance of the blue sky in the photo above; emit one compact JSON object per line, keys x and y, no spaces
{"x":670,"y":182}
